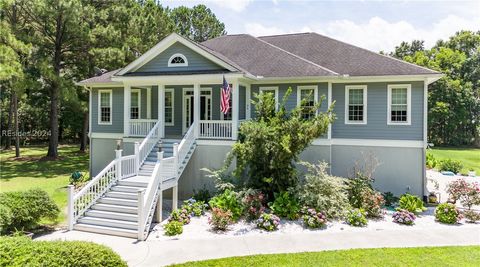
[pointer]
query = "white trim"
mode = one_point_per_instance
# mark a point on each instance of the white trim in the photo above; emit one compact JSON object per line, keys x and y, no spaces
{"x":149,"y":102}
{"x":126,"y":109}
{"x":425,"y":113}
{"x":348,"y":79}
{"x":184,"y":107}
{"x":184,"y":64}
{"x":368,"y":142}
{"x":163,"y":45}
{"x":90,"y":111}
{"x":172,"y":90}
{"x":109,"y":91}
{"x":269,"y":88}
{"x":365,"y":104}
{"x":176,"y":79}
{"x":139,"y":91}
{"x":307,"y":87}
{"x":206,"y":142}
{"x":106,"y":135}
{"x":132,"y":139}
{"x":409,"y":103}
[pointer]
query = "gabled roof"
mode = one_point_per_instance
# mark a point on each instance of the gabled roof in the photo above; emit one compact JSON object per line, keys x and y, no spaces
{"x":100,"y":79}
{"x":343,"y":58}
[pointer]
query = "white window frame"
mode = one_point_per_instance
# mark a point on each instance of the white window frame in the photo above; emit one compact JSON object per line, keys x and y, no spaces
{"x":409,"y":104}
{"x":139,"y":91}
{"x":365,"y":104}
{"x":99,"y":121}
{"x":173,"y":107}
{"x":170,"y":64}
{"x":270,"y":88}
{"x":307,"y":87}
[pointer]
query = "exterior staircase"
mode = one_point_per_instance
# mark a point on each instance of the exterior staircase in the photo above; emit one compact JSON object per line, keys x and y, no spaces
{"x":125,"y":205}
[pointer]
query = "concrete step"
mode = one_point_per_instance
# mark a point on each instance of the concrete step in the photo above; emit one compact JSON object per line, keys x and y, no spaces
{"x":123,"y":195}
{"x":112,"y":215}
{"x":106,"y":230}
{"x":126,"y":189}
{"x":118,"y":201}
{"x":115,"y":208}
{"x":109,"y":222}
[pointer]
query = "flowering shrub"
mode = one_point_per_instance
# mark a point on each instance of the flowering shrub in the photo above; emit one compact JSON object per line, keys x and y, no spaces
{"x":269,"y":222}
{"x":372,"y":203}
{"x":220,"y":219}
{"x":356,"y":217}
{"x":180,"y":215}
{"x":447,"y":213}
{"x":194,"y":208}
{"x":253,"y":202}
{"x":285,"y":205}
{"x":467,"y":193}
{"x":228,"y":200}
{"x":411,"y":203}
{"x":404,"y":217}
{"x":471,"y":216}
{"x":173,"y":228}
{"x":313,"y":219}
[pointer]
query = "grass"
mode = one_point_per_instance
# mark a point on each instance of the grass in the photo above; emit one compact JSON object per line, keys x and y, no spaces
{"x":422,"y":256}
{"x":470,"y":157}
{"x":32,"y":171}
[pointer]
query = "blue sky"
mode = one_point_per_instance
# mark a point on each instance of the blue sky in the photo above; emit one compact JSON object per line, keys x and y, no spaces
{"x":375,"y":25}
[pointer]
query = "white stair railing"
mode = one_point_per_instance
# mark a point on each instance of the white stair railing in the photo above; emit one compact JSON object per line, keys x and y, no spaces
{"x":143,"y":149}
{"x":186,"y":143}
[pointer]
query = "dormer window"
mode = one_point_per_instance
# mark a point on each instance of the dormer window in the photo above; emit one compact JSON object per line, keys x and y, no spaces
{"x":177,"y":60}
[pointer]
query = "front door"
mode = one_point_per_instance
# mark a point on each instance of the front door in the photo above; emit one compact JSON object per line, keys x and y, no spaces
{"x":188,"y":104}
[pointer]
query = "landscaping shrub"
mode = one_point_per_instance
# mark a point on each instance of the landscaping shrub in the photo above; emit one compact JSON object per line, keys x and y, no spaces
{"x":22,"y":251}
{"x":173,"y":228}
{"x":324,"y":192}
{"x":269,"y":222}
{"x":356,"y":217}
{"x":447,"y":213}
{"x":220,"y":219}
{"x":180,"y":215}
{"x":5,"y":218}
{"x":27,"y":208}
{"x":372,"y":203}
{"x":253,"y":201}
{"x":404,"y":217}
{"x":431,"y":161}
{"x":411,"y":203}
{"x":471,"y":216}
{"x":467,"y":193}
{"x":356,"y":189}
{"x":390,"y":199}
{"x":451,"y":165}
{"x":313,"y":218}
{"x":285,"y":205}
{"x":202,"y":195}
{"x":194,"y":207}
{"x":228,"y":201}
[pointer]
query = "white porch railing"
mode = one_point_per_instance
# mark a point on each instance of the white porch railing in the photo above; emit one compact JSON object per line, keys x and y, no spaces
{"x":142,"y":150}
{"x":215,"y":129}
{"x":128,"y":167}
{"x":141,"y":127}
{"x":186,"y":143}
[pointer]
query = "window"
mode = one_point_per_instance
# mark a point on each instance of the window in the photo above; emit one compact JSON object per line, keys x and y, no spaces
{"x":273,"y":91}
{"x":169,"y":100}
{"x":356,"y":104}
{"x":311,"y":95}
{"x":105,"y":107}
{"x":135,"y":104}
{"x":177,"y":60}
{"x":399,"y":99}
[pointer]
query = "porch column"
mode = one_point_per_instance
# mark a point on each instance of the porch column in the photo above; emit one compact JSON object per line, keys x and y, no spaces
{"x":196,"y":111}
{"x":235,"y":106}
{"x":149,"y":102}
{"x":126,"y":109}
{"x":161,"y":109}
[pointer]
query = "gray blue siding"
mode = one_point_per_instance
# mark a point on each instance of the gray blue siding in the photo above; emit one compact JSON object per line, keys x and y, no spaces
{"x":196,"y":62}
{"x":117,"y":112}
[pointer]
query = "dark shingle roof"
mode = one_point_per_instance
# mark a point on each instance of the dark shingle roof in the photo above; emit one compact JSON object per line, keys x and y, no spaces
{"x":263,"y":59}
{"x":104,"y":78}
{"x":341,"y":57}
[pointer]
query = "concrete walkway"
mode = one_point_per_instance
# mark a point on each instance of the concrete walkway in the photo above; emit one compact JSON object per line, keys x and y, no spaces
{"x":159,"y":253}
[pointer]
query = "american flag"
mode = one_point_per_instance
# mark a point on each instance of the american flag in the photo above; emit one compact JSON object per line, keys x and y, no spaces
{"x":225,"y":97}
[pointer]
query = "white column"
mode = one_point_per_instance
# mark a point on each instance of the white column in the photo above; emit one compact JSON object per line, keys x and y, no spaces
{"x":161,"y":109}
{"x":235,"y":106}
{"x":158,"y":211}
{"x":118,"y":156}
{"x":248,"y":96}
{"x":149,"y":102}
{"x":175,"y":197}
{"x":71,"y":192}
{"x":196,"y":106}
{"x":137,"y":157}
{"x":126,"y":109}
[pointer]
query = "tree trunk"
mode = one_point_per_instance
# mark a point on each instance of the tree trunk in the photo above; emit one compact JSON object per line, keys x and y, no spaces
{"x":8,"y":138}
{"x":53,"y":139}
{"x":17,"y":137}
{"x":83,"y":141}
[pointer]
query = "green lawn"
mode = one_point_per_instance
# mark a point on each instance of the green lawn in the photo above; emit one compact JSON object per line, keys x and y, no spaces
{"x":470,"y":157}
{"x":32,"y":171}
{"x":423,"y":256}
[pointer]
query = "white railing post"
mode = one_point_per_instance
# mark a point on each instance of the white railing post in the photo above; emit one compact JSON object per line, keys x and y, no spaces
{"x":196,"y":107}
{"x":140,"y":198}
{"x":137,"y":157}
{"x":175,"y":159}
{"x":118,"y":163}
{"x":175,"y":197}
{"x":70,"y":194}
{"x":158,"y":211}
{"x":127,"y":89}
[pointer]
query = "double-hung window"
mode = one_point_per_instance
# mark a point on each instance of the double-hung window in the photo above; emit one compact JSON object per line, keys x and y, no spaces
{"x":307,"y":97}
{"x":105,"y":107}
{"x":169,"y":100}
{"x":135,"y":104}
{"x":399,"y":104}
{"x":356,"y":104}
{"x":273,"y":91}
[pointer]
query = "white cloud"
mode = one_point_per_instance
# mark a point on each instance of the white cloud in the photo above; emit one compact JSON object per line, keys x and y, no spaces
{"x":378,"y":34}
{"x":235,"y":5}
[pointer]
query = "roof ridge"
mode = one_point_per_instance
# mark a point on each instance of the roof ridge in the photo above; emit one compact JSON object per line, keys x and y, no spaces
{"x":292,"y":54}
{"x":285,"y":34}
{"x":378,"y":54}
